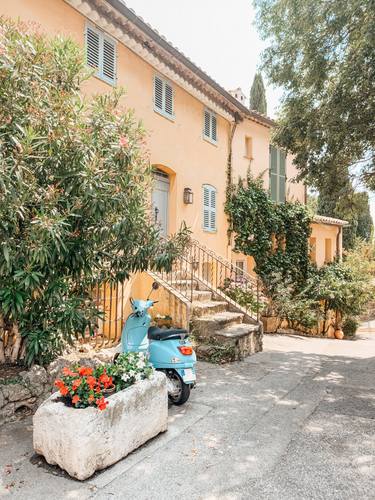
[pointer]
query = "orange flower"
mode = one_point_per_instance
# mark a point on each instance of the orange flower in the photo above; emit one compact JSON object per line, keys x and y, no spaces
{"x":62,"y":387}
{"x":98,"y":388}
{"x":105,"y":380}
{"x":68,"y":372}
{"x":85,"y":371}
{"x":75,"y":399}
{"x":76,"y":383}
{"x":91,"y":398}
{"x":91,"y":381}
{"x":101,"y":403}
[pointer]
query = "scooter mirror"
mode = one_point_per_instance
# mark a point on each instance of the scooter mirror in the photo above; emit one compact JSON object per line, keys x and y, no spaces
{"x":155,"y":285}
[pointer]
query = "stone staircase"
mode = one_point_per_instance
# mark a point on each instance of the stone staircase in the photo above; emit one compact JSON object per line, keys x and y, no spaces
{"x":220,"y":333}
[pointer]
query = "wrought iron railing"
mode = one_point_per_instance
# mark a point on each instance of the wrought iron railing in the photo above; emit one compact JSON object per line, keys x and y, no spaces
{"x":201,"y":266}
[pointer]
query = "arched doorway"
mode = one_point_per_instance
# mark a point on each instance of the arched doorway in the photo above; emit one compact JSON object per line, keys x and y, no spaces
{"x":160,"y":200}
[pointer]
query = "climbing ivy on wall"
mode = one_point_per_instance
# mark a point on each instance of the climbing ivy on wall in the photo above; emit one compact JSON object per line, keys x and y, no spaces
{"x":275,"y":235}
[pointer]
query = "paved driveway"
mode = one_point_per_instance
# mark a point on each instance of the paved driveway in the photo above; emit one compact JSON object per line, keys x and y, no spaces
{"x":294,"y":422}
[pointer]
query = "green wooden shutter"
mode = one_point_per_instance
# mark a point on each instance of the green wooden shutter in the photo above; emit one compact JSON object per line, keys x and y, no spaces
{"x":281,"y":193}
{"x":273,"y":174}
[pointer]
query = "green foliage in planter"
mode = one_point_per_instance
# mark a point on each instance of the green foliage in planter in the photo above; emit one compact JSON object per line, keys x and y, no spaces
{"x":74,"y":195}
{"x":275,"y":235}
{"x":298,"y":307}
{"x":350,"y":327}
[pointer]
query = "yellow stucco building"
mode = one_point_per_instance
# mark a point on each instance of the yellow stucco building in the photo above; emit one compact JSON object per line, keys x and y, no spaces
{"x":194,"y":126}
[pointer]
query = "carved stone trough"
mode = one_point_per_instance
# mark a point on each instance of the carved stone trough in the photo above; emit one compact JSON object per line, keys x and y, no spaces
{"x":82,"y":441}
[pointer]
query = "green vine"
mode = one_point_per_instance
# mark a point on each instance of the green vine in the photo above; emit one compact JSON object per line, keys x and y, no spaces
{"x":275,"y":235}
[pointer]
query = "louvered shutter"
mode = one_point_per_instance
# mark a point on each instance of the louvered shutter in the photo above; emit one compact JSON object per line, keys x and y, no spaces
{"x":109,"y":59}
{"x":213,"y":210}
{"x":92,"y":48}
{"x":209,"y":208}
{"x":282,"y":177}
{"x":158,"y":93}
{"x":273,"y":173}
{"x":168,"y":90}
{"x":213,"y":127}
{"x":207,"y":123}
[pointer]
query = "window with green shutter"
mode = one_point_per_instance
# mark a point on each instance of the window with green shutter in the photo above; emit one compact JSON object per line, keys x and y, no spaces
{"x":277,"y":174}
{"x":209,"y":208}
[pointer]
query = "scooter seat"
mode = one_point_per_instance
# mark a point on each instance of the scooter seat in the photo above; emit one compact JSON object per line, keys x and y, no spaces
{"x":156,"y":333}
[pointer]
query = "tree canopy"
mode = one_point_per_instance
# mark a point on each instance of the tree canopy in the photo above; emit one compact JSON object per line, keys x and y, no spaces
{"x":258,"y":100}
{"x":75,"y":182}
{"x":323,"y":55}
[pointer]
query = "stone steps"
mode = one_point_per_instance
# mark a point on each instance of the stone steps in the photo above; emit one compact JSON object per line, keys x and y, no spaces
{"x":220,"y":333}
{"x":205,"y":308}
{"x":201,"y":296}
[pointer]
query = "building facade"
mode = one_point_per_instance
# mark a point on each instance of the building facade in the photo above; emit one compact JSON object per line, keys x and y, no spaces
{"x":195,"y":128}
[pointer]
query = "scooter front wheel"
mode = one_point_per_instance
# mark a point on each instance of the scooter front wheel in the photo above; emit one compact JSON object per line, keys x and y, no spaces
{"x":178,"y":391}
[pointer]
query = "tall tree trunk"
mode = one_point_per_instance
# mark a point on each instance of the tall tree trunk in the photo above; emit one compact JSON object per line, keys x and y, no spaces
{"x":2,"y":339}
{"x":17,"y":340}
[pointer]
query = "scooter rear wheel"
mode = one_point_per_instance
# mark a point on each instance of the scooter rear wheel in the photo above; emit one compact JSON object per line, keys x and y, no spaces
{"x":182,"y":393}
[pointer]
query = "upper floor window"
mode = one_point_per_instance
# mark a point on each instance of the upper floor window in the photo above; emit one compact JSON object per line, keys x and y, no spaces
{"x":249,"y":147}
{"x":277,"y":174}
{"x":209,"y":208}
{"x":163,"y":97}
{"x":210,"y":126}
{"x":101,"y":54}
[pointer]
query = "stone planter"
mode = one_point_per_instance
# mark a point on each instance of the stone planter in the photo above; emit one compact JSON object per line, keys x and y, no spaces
{"x":270,"y":323}
{"x":82,"y":441}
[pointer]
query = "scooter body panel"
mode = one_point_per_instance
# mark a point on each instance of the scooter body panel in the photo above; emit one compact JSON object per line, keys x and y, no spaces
{"x":164,"y":354}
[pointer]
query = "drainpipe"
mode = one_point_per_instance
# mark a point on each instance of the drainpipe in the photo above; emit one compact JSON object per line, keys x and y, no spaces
{"x":237,"y":120}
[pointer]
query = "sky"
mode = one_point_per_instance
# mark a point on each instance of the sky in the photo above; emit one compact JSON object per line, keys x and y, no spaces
{"x":217,"y":35}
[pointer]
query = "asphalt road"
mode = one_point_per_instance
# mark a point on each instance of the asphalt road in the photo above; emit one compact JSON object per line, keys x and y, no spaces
{"x":294,"y":422}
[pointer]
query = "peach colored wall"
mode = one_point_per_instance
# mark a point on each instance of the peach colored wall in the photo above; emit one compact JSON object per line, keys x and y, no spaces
{"x":322,"y":232}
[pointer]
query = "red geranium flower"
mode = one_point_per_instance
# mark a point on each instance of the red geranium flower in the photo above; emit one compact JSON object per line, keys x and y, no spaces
{"x":75,"y":399}
{"x":101,"y":403}
{"x":68,"y":372}
{"x":85,"y":371}
{"x":91,"y":381}
{"x":76,"y":383}
{"x":62,"y":387}
{"x":105,"y":380}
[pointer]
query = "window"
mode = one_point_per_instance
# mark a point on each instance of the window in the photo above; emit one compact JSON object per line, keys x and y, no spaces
{"x":277,"y":174}
{"x":313,"y":249}
{"x":328,"y":250}
{"x":163,"y":97}
{"x":210,"y":126}
{"x":240,"y":268}
{"x":101,"y":54}
{"x":249,"y":148}
{"x":209,"y":208}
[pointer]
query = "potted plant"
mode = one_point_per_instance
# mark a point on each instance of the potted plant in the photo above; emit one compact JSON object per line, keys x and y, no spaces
{"x":99,"y":415}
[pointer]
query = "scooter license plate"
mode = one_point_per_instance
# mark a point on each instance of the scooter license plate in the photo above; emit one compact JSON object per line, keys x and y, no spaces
{"x":189,"y":375}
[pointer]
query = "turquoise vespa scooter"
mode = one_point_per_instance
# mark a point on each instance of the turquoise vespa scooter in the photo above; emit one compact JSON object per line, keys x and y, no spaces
{"x":169,"y":350}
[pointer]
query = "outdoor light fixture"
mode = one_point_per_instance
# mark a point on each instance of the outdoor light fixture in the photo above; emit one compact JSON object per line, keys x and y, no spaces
{"x":188,"y":196}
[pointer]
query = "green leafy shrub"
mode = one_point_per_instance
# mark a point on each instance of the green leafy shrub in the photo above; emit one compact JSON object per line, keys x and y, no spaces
{"x":275,"y":235}
{"x":74,"y":196}
{"x":350,"y":327}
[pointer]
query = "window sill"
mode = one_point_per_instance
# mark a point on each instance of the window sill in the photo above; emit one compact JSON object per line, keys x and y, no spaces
{"x":211,"y":231}
{"x":211,"y":141}
{"x":103,"y":79}
{"x":171,"y":118}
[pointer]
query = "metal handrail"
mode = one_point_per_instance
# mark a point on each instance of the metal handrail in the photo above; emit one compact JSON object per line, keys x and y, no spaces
{"x":199,"y":264}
